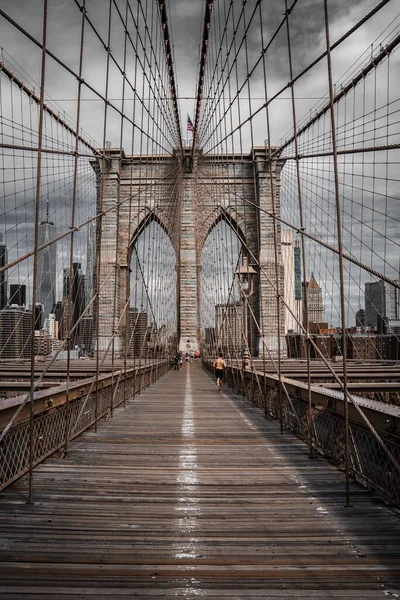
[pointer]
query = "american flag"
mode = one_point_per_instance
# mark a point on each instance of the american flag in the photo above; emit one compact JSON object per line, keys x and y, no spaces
{"x":189,"y":124}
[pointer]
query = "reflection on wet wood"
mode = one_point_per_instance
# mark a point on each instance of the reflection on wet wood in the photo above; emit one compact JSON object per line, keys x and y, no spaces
{"x":189,"y":493}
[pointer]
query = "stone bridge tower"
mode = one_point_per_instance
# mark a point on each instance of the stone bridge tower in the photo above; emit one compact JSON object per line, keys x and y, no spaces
{"x":170,"y":190}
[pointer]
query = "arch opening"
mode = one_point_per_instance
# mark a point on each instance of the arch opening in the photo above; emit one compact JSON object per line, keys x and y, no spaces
{"x":221,"y":309}
{"x":153,"y":292}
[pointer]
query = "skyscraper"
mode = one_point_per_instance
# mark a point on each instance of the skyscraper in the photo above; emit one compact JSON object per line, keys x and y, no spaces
{"x":315,"y":305}
{"x":90,"y":264}
{"x":85,"y":336}
{"x":229,"y":327}
{"x":17,"y":294}
{"x":360,"y":318}
{"x":291,"y":261}
{"x":297,"y":274}
{"x":382,"y":302}
{"x":78,"y":293}
{"x":3,"y":274}
{"x":61,"y":313}
{"x":39,"y":316}
{"x":47,"y":265}
{"x":78,"y":296}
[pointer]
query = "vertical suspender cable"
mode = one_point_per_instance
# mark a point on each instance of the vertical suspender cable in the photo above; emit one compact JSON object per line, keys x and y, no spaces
{"x":117,"y":283}
{"x":71,"y":255}
{"x":104,"y":166}
{"x":340,"y":247}
{"x":35,"y":256}
{"x":302,"y":229}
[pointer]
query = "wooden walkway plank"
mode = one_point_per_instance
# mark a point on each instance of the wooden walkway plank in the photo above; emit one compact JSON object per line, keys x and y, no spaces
{"x":187,"y":493}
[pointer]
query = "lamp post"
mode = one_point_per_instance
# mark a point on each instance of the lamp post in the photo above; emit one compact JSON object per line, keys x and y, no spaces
{"x":246,"y":289}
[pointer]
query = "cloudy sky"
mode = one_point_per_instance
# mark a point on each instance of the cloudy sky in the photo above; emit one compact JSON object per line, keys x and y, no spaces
{"x":307,"y":36}
{"x":373,"y":216}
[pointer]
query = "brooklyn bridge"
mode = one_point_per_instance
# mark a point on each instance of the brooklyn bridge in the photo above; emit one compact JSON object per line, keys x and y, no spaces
{"x":190,"y":185}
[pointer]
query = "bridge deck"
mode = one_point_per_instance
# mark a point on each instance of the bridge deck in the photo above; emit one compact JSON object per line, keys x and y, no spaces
{"x":188,"y":493}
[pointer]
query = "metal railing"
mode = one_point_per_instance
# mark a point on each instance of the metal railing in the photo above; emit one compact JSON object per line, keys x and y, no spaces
{"x":370,"y":465}
{"x":50,"y":425}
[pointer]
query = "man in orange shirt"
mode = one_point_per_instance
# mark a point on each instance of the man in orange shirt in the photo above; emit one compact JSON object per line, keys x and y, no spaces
{"x":219,"y":366}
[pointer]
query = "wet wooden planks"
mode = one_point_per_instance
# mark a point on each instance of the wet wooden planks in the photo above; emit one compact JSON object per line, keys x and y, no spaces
{"x":188,"y":493}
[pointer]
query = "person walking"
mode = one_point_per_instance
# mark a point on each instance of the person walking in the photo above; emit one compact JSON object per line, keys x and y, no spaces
{"x":219,"y":366}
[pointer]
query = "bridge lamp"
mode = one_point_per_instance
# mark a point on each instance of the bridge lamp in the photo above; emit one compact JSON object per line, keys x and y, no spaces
{"x":245,"y":276}
{"x":246,"y":289}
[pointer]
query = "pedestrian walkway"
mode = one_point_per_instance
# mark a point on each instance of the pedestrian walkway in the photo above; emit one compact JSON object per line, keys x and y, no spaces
{"x":191,"y":493}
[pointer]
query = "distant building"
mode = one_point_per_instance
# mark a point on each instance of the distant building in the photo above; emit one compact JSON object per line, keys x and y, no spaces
{"x":85,"y":334}
{"x":61,"y":313}
{"x":47,"y":266}
{"x":39,"y":317}
{"x":392,"y":326}
{"x":17,"y":294}
{"x":229,"y":327}
{"x":360,"y":318}
{"x":382,"y":301}
{"x":15,"y":333}
{"x":65,"y":292}
{"x":297,"y":274}
{"x":388,"y":347}
{"x":90,"y":264}
{"x":359,"y":346}
{"x":51,"y":326}
{"x":315,"y":305}
{"x":78,"y":296}
{"x":58,"y":312}
{"x":297,"y":348}
{"x":291,"y":261}
{"x":42,"y":343}
{"x":296,"y":345}
{"x":3,"y":274}
{"x":324,"y":343}
{"x":362,"y":347}
{"x":138,"y":333}
{"x":55,"y":344}
{"x":321,"y":328}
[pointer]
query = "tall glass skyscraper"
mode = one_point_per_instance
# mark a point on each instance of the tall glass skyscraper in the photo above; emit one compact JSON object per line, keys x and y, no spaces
{"x":291,"y":261}
{"x":90,"y":264}
{"x":3,"y":274}
{"x":47,"y":266}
